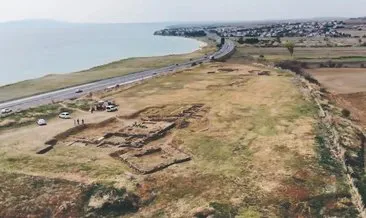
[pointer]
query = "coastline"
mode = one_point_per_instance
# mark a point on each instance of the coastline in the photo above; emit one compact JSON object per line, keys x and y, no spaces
{"x":54,"y":82}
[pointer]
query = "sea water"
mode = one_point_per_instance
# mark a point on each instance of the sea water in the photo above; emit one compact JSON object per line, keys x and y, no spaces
{"x":34,"y":49}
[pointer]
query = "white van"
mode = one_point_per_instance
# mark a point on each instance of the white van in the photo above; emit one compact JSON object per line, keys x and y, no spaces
{"x":6,"y":111}
{"x":64,"y":115}
{"x":111,"y":108}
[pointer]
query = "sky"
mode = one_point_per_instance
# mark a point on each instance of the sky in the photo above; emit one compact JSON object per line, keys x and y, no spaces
{"x":126,"y":11}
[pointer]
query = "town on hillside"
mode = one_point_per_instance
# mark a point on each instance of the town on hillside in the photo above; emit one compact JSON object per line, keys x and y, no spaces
{"x":283,"y":29}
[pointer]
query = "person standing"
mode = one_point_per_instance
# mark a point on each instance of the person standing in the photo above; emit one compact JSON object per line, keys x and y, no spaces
{"x":78,"y":122}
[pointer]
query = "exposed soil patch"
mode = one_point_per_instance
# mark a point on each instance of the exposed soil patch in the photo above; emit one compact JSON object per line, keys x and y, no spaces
{"x":153,"y":123}
{"x":152,"y":159}
{"x":355,"y":103}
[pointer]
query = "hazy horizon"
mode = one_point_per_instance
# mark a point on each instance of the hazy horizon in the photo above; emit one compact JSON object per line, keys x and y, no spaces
{"x":167,"y":11}
{"x":45,"y":20}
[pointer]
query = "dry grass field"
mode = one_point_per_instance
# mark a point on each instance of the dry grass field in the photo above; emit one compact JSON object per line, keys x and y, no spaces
{"x":253,"y":149}
{"x":119,"y":68}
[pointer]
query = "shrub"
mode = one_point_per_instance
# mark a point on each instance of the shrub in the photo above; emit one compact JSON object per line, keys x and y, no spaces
{"x":323,"y":90}
{"x":251,"y":41}
{"x":278,"y":39}
{"x":295,"y":66}
{"x":331,"y":64}
{"x":346,"y":113}
{"x":63,"y":109}
{"x":304,"y":65}
{"x":241,"y":40}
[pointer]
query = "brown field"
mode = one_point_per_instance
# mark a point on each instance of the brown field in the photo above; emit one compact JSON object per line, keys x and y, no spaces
{"x":341,"y":80}
{"x":304,"y":52}
{"x":356,"y":103}
{"x":250,"y":139}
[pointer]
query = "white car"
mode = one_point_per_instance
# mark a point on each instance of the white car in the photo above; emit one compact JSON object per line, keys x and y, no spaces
{"x":111,"y":108}
{"x":64,"y":115}
{"x":41,"y":122}
{"x":78,"y":91}
{"x":6,"y":111}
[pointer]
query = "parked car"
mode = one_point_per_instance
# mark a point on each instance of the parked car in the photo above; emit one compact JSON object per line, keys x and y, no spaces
{"x":41,"y":122}
{"x":6,"y":111}
{"x":111,"y":108}
{"x":64,"y":115}
{"x":78,"y":91}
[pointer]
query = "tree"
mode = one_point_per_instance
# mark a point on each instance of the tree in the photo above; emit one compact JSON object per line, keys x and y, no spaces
{"x":241,"y":40}
{"x":278,"y":39}
{"x":251,"y":41}
{"x":290,"y":45}
{"x":222,"y":41}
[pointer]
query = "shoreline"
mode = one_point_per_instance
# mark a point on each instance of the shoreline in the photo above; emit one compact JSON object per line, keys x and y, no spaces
{"x":201,"y":45}
{"x":30,"y":87}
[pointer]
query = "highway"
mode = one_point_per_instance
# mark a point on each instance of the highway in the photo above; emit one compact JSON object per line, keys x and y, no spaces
{"x":70,"y":93}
